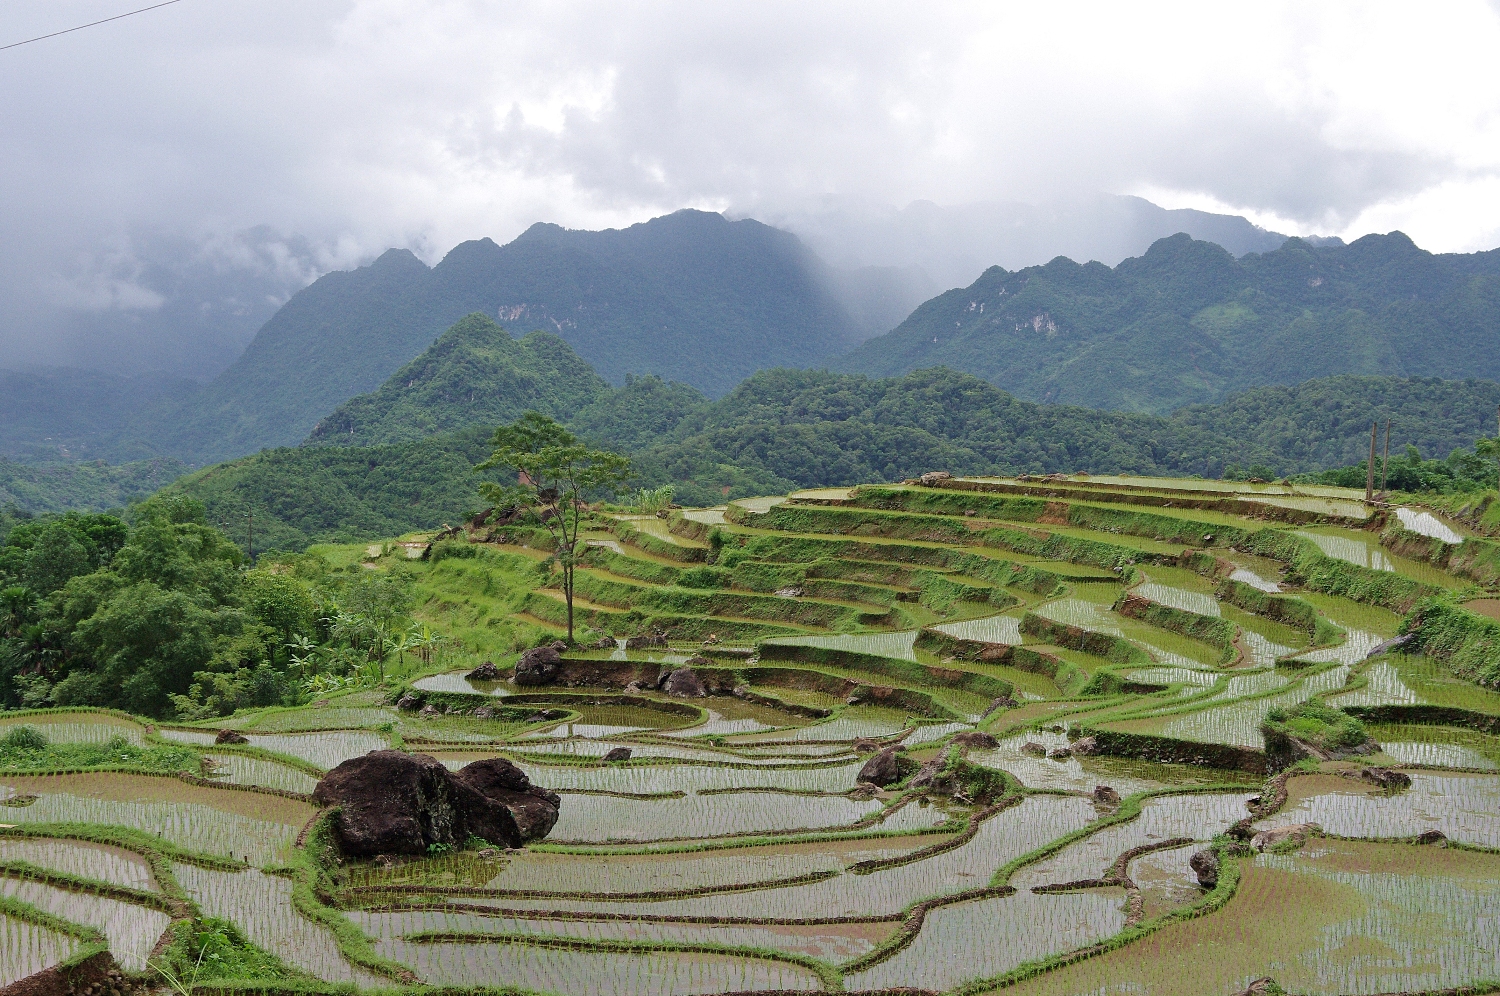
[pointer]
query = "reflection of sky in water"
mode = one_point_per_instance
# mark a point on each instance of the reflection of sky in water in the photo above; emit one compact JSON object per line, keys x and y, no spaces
{"x":989,"y":629}
{"x":1427,"y":524}
{"x":1179,"y":598}
{"x":1254,"y":580}
{"x":897,"y":645}
{"x":1355,"y":648}
{"x":1438,"y":755}
{"x":1383,"y":686}
{"x":1259,"y":651}
{"x":1351,"y":551}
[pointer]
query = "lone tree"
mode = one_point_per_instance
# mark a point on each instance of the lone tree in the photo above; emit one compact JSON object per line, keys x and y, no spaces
{"x":555,"y":475}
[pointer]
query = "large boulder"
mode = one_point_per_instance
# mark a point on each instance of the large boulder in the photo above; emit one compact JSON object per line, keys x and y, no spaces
{"x":485,"y":672}
{"x":977,"y":740}
{"x":683,"y":683}
{"x":882,"y":769}
{"x":390,"y":802}
{"x":231,"y":737}
{"x":533,"y":808}
{"x":1205,"y":865}
{"x":539,"y":666}
{"x":1291,"y":835}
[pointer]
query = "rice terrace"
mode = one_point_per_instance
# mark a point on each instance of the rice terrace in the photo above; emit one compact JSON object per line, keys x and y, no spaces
{"x":1063,"y":735}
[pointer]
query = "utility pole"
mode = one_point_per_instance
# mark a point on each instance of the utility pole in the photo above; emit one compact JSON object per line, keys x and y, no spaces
{"x":1370,"y":468}
{"x":1385,"y":465}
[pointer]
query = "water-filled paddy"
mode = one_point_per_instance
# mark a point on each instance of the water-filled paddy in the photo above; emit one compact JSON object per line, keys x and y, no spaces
{"x":218,"y":821}
{"x":27,"y":948}
{"x":82,"y":858}
{"x":1464,"y":807}
{"x":132,"y":931}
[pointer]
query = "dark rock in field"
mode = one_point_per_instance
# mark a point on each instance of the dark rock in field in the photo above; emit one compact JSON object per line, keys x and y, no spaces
{"x":882,"y":769}
{"x":789,"y":592}
{"x":484,"y":672}
{"x":1085,"y":746}
{"x":408,"y":702}
{"x":1105,"y":795}
{"x":634,"y":688}
{"x":698,"y":660}
{"x":231,"y":737}
{"x":1003,"y":702}
{"x":1034,"y":749}
{"x":865,"y":746}
{"x":604,"y":643}
{"x":927,"y":774}
{"x":743,"y":692}
{"x":1205,"y":865}
{"x":617,"y":754}
{"x":1434,"y":838}
{"x":1260,"y":987}
{"x":558,"y":645}
{"x":1385,"y":778}
{"x":539,"y":666}
{"x":864,"y":790}
{"x":935,"y":477}
{"x":1293,"y":833}
{"x":978,"y":740}
{"x":537,"y":717}
{"x":429,"y":711}
{"x":1395,"y":643}
{"x":533,"y":808}
{"x":683,"y":683}
{"x":484,"y":712}
{"x":1060,"y":753}
{"x":646,"y":642}
{"x":390,"y":802}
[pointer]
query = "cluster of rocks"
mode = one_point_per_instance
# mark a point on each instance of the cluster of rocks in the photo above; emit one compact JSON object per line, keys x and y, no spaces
{"x":389,"y":802}
{"x":540,"y":665}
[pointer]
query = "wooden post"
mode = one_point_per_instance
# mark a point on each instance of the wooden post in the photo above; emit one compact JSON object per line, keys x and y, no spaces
{"x":1370,"y":468}
{"x":1385,"y":464}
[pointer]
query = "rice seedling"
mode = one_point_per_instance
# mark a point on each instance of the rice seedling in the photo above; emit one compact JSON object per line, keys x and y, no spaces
{"x":831,"y":942}
{"x":1080,"y":774}
{"x":1438,"y":746}
{"x":261,"y":906}
{"x":240,"y":825}
{"x":1198,"y":816}
{"x":76,"y":728}
{"x":605,"y":818}
{"x":1166,"y":879}
{"x":573,"y":972}
{"x":237,"y":769}
{"x":456,"y":682}
{"x":1179,"y":598}
{"x":1465,"y":807}
{"x":132,"y":931}
{"x":987,"y":937}
{"x":1236,"y":723}
{"x":1383,"y":686}
{"x":27,"y":948}
{"x":1246,"y":576}
{"x":986,"y":629}
{"x":897,"y":645}
{"x":326,"y":750}
{"x":334,"y":717}
{"x":83,"y":859}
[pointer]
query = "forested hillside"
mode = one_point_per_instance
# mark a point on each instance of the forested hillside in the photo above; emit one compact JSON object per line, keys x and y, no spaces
{"x":690,"y":296}
{"x":92,"y":486}
{"x":783,"y":429}
{"x":1188,"y":323}
{"x":475,"y":374}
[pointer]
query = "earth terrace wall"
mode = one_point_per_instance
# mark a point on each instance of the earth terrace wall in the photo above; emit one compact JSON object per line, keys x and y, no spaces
{"x":1115,"y":649}
{"x":632,"y":536}
{"x":912,"y":672}
{"x":1310,"y":568}
{"x":633,"y":622}
{"x":1475,"y":559}
{"x":1468,"y":643}
{"x":1214,"y":631}
{"x":1286,"y":609}
{"x":1172,"y":751}
{"x":720,"y":602}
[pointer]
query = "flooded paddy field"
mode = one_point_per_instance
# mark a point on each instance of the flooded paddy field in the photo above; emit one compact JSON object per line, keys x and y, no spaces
{"x":890,"y":737}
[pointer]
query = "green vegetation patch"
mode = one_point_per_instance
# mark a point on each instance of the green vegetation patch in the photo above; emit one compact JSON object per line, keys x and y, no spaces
{"x":1466,"y":642}
{"x":25,"y":749}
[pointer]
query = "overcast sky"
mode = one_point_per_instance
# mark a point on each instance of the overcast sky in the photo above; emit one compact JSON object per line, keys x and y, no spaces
{"x":359,"y":124}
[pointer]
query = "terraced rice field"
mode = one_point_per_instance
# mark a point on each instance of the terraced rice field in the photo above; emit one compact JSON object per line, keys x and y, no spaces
{"x":1073,"y":678}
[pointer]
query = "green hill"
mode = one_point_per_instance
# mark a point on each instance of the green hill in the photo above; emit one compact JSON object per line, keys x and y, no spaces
{"x":475,"y":374}
{"x":784,"y":429}
{"x":690,"y":297}
{"x":87,"y":487}
{"x":1187,"y":323}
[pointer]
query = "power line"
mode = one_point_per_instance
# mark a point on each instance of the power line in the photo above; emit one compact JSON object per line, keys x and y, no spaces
{"x":91,"y":24}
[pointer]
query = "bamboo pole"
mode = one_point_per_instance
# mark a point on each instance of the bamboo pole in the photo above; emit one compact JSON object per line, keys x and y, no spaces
{"x":1370,"y":467}
{"x":1385,"y":465}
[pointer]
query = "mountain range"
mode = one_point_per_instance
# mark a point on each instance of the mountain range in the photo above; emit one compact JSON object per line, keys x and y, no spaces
{"x":1188,"y":323}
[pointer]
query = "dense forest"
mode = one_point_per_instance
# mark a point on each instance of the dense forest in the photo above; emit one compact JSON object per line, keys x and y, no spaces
{"x":784,"y":429}
{"x":160,"y":616}
{"x":1188,"y":323}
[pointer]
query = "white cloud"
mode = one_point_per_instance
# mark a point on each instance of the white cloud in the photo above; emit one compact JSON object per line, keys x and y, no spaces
{"x":361,"y":124}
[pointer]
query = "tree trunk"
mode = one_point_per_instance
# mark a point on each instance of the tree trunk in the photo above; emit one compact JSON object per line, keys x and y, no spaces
{"x":568,"y":597}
